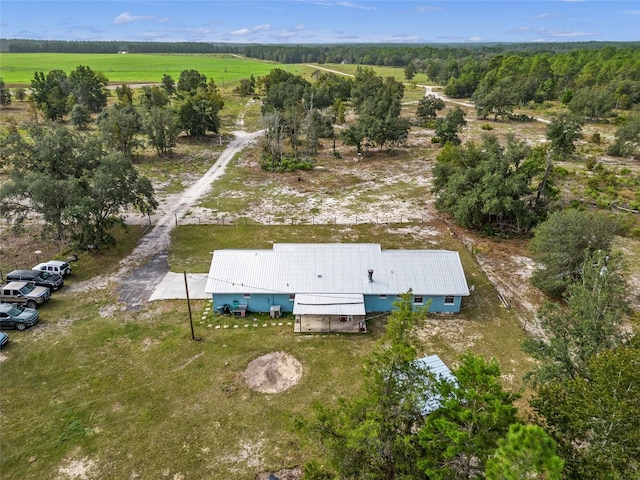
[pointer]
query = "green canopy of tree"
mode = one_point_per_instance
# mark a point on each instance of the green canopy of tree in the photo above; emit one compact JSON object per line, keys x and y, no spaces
{"x":115,"y":184}
{"x":198,"y":110}
{"x":154,"y":96}
{"x":162,"y":128}
{"x":377,"y":102}
{"x":429,"y":106}
{"x":596,"y":305}
{"x":592,"y":103}
{"x":627,"y":141}
{"x":410,"y":71}
{"x":5,"y":94}
{"x":561,"y":243}
{"x":492,"y":186}
{"x":88,"y":88}
{"x":595,"y":419}
{"x":55,"y":93}
{"x":69,"y":180}
{"x":447,"y":128}
{"x":124,"y":93}
{"x":329,"y":88}
{"x":527,"y":452}
{"x":50,"y":93}
{"x":459,"y":437}
{"x":562,"y":132}
{"x":119,"y":127}
{"x":247,"y":87}
{"x":494,"y":96}
{"x":168,"y":84}
{"x":80,"y":116}
{"x":190,"y":81}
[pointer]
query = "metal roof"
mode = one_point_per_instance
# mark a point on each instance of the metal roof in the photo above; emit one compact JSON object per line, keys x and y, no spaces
{"x":435,"y":365}
{"x":336,"y":268}
{"x":328,"y":304}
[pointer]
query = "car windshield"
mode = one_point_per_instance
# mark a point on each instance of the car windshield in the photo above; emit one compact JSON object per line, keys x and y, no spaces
{"x":44,"y":275}
{"x":27,"y":289}
{"x":15,"y":311}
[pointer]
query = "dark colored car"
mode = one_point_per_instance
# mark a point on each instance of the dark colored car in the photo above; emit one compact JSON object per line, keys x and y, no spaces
{"x":17,"y":316}
{"x":52,"y":281}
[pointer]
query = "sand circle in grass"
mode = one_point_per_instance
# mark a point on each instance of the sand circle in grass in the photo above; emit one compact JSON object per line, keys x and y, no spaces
{"x":274,"y":372}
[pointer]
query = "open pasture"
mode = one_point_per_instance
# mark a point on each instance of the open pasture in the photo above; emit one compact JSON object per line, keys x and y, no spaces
{"x":17,"y":69}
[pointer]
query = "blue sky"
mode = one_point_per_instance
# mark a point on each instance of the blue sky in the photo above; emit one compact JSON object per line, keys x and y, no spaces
{"x":323,"y":21}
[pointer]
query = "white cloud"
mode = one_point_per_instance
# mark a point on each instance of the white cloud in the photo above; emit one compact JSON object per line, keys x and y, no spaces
{"x":554,"y":34}
{"x":247,"y":31}
{"x":544,"y":16}
{"x":126,"y":17}
{"x":353,"y":5}
{"x":288,"y":34}
{"x":402,"y":38}
{"x":574,"y":34}
{"x":522,"y":29}
{"x":428,"y":9}
{"x":259,"y":28}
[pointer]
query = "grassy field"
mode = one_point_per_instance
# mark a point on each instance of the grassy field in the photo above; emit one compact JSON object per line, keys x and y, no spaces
{"x":17,"y":69}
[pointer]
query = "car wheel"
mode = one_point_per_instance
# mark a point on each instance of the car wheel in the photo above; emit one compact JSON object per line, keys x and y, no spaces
{"x":31,"y":304}
{"x":20,"y":326}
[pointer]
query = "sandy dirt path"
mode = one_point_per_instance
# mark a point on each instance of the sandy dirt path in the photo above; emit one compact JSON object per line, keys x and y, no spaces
{"x":143,"y":269}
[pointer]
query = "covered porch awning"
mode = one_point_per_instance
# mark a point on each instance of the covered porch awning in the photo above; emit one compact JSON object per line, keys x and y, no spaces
{"x":329,"y":304}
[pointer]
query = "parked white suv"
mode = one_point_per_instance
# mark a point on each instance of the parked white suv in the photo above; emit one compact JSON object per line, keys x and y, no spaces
{"x":54,"y":266}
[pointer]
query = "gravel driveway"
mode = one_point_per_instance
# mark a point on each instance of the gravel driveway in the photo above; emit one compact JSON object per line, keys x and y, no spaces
{"x":146,"y":267}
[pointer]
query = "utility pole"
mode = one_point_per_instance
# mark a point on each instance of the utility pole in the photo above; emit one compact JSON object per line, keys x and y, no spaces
{"x":186,"y":287}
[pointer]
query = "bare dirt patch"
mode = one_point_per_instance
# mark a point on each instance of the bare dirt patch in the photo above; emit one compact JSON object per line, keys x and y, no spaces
{"x":77,"y":469}
{"x":273,"y":373}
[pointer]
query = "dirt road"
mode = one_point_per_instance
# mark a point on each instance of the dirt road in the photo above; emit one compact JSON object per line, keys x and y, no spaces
{"x":142,"y":270}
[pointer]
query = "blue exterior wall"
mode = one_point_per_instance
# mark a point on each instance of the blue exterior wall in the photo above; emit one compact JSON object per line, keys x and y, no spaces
{"x":257,"y":302}
{"x":438,"y":305}
{"x":260,"y":302}
{"x":374,"y":303}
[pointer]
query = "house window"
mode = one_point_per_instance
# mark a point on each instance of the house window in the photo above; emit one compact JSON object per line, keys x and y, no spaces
{"x":383,"y":297}
{"x":247,"y":295}
{"x":449,"y":300}
{"x":292,"y":297}
{"x":418,"y":299}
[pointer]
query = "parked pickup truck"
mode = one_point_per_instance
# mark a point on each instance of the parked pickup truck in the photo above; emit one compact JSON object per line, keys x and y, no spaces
{"x":52,"y":281}
{"x":24,"y":293}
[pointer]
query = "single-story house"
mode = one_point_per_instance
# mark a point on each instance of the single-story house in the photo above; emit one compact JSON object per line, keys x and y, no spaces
{"x":331,"y":287}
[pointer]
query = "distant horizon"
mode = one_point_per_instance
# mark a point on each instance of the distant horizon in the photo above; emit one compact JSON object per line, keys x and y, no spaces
{"x":323,"y":22}
{"x":328,"y":44}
